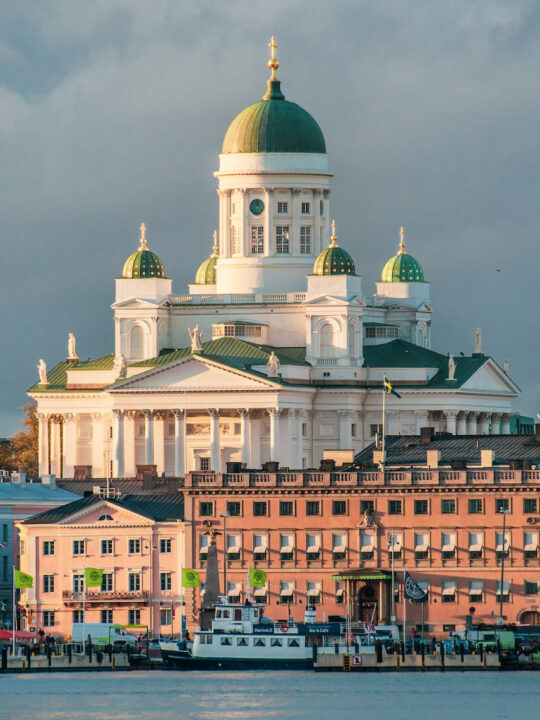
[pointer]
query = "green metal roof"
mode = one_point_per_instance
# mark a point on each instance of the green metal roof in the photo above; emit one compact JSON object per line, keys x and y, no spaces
{"x":363,"y":575}
{"x":143,"y":264}
{"x":333,"y":260}
{"x":402,"y":268}
{"x":206,"y":274}
{"x":274,"y":125}
{"x":57,"y":376}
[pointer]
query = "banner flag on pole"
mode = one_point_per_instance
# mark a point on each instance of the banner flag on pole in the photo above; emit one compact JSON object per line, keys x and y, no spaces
{"x":413,"y":591}
{"x":23,"y":580}
{"x":93,"y":577}
{"x":389,"y":388}
{"x":190,"y":578}
{"x":257,"y":578}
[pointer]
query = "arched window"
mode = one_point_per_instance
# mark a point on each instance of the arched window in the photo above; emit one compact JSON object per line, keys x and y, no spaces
{"x":421,"y":336}
{"x":351,"y":341}
{"x":136,"y":343}
{"x":327,"y":341}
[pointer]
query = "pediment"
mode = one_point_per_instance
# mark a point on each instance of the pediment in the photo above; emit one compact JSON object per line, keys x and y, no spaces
{"x":490,"y":378}
{"x":136,"y":302}
{"x":337,"y":301}
{"x":193,"y":374}
{"x":91,"y":515}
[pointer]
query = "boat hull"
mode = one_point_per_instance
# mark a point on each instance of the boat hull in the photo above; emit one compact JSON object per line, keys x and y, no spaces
{"x":185,"y":661}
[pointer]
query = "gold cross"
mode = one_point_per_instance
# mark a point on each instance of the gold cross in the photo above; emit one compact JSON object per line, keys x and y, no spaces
{"x":143,"y":236}
{"x":273,"y":63}
{"x":215,"y":248}
{"x":333,"y":237}
{"x":402,"y":239}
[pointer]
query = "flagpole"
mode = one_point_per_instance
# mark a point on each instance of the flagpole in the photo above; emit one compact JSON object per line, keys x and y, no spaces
{"x":14,"y":616}
{"x":247,"y":585}
{"x":181,"y":599}
{"x":383,"y":423}
{"x":84,"y":607}
{"x":404,"y":608}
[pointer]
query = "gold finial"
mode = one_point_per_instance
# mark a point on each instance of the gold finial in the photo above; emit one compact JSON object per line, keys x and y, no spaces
{"x":401,"y":240}
{"x":143,"y":245}
{"x":215,"y":248}
{"x":273,"y":63}
{"x":333,"y":238}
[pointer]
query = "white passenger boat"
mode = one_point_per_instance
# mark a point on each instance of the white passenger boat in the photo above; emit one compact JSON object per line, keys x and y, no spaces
{"x":241,"y":637}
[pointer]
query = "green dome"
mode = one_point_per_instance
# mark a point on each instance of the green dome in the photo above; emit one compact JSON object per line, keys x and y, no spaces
{"x":143,"y":263}
{"x":206,"y":274}
{"x":334,"y":260}
{"x":274,"y":125}
{"x":402,"y":267}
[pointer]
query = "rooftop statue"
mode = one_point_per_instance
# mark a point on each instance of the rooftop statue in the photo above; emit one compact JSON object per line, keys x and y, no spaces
{"x":196,"y":338}
{"x":42,"y":369}
{"x":72,"y":353}
{"x":273,"y":365}
{"x":478,"y":341}
{"x":451,"y":367}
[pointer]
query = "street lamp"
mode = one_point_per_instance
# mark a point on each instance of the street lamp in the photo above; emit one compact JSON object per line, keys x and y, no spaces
{"x":504,"y":513}
{"x":224,"y":516}
{"x":391,"y":545}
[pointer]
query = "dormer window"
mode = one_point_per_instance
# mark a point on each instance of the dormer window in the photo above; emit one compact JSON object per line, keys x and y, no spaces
{"x":387,"y":332}
{"x":240,"y":329}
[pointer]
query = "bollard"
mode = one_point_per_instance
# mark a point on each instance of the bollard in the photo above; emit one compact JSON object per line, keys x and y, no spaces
{"x":442,"y":656}
{"x":109,"y":650}
{"x":356,"y":648}
{"x":69,"y":653}
{"x":336,"y":648}
{"x":402,"y":649}
{"x":4,"y":659}
{"x":28,"y":657}
{"x":114,"y":662}
{"x":49,"y":655}
{"x":397,"y":662}
{"x":314,"y":653}
{"x":378,"y":651}
{"x":423,"y":653}
{"x":484,"y":659}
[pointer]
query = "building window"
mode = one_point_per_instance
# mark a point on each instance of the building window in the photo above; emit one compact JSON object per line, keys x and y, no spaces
{"x":134,"y":581}
{"x":78,"y":583}
{"x":327,"y":341}
{"x":305,"y":240}
{"x":531,"y":588}
{"x":134,"y":546}
{"x":421,"y":507}
{"x":48,"y":547}
{"x":394,"y":507}
{"x":339,"y":507}
{"x":448,"y":506}
{"x":236,"y":244}
{"x":530,"y":505}
{"x":206,"y":509}
{"x":282,"y":239}
{"x":134,"y":617}
{"x":375,"y":429}
{"x":234,"y":509}
{"x":204,"y":464}
{"x":78,"y":616}
{"x":313,"y":507}
{"x":313,"y":546}
{"x":304,"y":429}
{"x":286,"y":507}
{"x":78,"y":547}
{"x":283,"y":208}
{"x":506,"y":592}
{"x":449,"y":591}
{"x":48,"y":583}
{"x":321,"y":208}
{"x":306,"y":208}
{"x":107,"y":547}
{"x":367,"y":506}
{"x":257,"y":239}
{"x":353,"y":430}
{"x":165,"y":617}
{"x":107,"y":582}
{"x":476,"y":591}
{"x":260,"y":508}
{"x":48,"y":618}
{"x":165,"y":580}
{"x":476,"y":506}
{"x":165,"y":545}
{"x":502,"y":505}
{"x":106,"y":616}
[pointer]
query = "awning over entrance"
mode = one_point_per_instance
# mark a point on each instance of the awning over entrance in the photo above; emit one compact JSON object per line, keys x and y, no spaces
{"x":363,"y":575}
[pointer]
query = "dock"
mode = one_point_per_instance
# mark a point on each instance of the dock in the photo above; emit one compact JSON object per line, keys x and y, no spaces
{"x":351,"y":662}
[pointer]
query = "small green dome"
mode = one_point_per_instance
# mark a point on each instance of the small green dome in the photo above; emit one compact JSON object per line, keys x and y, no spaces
{"x":334,"y":260}
{"x":274,"y":125}
{"x":143,"y":263}
{"x":402,"y":267}
{"x":206,"y":274}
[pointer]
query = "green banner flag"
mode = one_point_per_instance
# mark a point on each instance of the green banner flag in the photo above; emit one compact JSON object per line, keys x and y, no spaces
{"x":93,"y":577}
{"x":190,"y":578}
{"x":23,"y":580}
{"x":257,"y":578}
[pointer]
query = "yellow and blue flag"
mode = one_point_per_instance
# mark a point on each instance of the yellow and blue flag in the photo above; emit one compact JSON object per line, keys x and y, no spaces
{"x":389,"y":388}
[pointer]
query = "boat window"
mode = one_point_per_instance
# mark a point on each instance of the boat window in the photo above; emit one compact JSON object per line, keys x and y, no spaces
{"x":218,"y":613}
{"x":209,"y":639}
{"x":226,"y":641}
{"x":293,"y":643}
{"x":259,"y":642}
{"x":226,"y":613}
{"x":238,"y":614}
{"x":241,"y":641}
{"x":276,"y":642}
{"x":255,"y":613}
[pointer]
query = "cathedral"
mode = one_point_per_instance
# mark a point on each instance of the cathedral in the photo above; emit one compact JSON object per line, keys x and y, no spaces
{"x":276,"y":353}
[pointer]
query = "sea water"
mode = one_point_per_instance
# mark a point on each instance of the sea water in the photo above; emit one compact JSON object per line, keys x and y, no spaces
{"x":164,"y":695}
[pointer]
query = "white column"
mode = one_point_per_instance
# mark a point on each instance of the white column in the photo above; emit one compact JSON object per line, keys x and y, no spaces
{"x":130,"y":466}
{"x":55,"y":446}
{"x":495,"y":423}
{"x":244,"y":229}
{"x":392,"y":422}
{"x":118,"y":443}
{"x":505,"y":424}
{"x":245,"y":439}
{"x":269,"y":213}
{"x":148,"y":437}
{"x":471,"y":423}
{"x":291,"y":418}
{"x":421,"y":420}
{"x":315,"y":232}
{"x":179,"y":440}
{"x":294,"y":230}
{"x":215,"y":459}
{"x":461,"y":428}
{"x":274,"y":433}
{"x":299,"y":439}
{"x":99,"y":465}
{"x":43,"y":444}
{"x":159,"y":443}
{"x":483,"y":424}
{"x":345,"y":439}
{"x":69,"y":445}
{"x":451,"y":416}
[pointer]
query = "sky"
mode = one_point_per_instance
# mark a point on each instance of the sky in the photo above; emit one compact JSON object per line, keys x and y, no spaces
{"x":112,"y":112}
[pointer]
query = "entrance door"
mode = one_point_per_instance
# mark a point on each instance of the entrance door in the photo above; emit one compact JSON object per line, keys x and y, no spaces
{"x":367,"y":603}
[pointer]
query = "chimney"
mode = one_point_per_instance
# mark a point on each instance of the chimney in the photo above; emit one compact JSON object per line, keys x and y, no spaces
{"x":377,"y":457}
{"x":486,"y":458}
{"x":49,"y":480}
{"x":427,"y":434}
{"x":433,"y":457}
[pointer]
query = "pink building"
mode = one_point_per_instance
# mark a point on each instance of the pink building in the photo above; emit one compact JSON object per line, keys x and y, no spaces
{"x":136,"y":540}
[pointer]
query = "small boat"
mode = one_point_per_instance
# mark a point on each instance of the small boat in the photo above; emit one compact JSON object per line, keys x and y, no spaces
{"x":241,"y":638}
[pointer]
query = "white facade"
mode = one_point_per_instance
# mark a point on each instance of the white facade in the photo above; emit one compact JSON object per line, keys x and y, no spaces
{"x":199,"y":410}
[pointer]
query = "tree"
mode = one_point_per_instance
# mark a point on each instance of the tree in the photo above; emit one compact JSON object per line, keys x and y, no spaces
{"x":22,"y":450}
